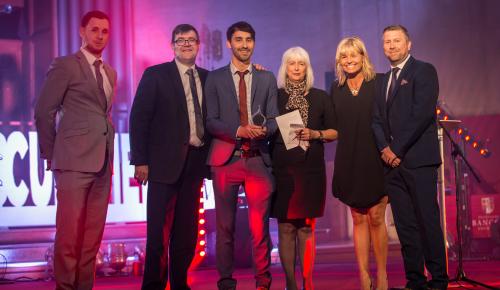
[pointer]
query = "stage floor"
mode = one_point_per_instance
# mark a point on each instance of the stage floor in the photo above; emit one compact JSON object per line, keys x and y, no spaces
{"x":341,"y":276}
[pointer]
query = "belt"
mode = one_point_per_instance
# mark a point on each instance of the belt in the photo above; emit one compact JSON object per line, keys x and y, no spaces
{"x":246,"y":153}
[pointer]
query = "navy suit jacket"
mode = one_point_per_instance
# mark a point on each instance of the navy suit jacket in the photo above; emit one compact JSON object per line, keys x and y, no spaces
{"x":406,"y":122}
{"x":223,"y":116}
{"x":159,"y":123}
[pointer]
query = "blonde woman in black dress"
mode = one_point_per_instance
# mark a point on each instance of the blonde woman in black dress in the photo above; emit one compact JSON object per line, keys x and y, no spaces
{"x":300,"y":174}
{"x":358,"y":179}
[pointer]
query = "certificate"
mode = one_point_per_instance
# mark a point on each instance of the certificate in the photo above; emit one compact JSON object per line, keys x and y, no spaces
{"x":289,"y":123}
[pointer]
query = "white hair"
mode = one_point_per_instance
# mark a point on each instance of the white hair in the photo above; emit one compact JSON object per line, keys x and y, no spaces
{"x":300,"y":54}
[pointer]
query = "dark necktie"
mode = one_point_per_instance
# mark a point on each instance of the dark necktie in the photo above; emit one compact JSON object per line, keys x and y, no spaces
{"x":196,"y":104}
{"x":393,"y":82}
{"x":100,"y":81}
{"x":243,"y":98}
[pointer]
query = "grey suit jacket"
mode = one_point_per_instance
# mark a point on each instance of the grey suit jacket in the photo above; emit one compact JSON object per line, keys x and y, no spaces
{"x":72,"y":120}
{"x":223,"y":116}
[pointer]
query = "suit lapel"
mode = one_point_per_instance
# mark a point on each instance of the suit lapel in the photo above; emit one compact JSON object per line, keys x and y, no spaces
{"x":230,"y":84}
{"x":255,"y":80}
{"x":91,"y":80}
{"x":403,"y":75}
{"x":111,"y":77}
{"x":174,"y":73}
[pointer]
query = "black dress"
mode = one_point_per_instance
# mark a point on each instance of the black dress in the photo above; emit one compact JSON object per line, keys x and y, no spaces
{"x":300,"y":175}
{"x":358,"y":178}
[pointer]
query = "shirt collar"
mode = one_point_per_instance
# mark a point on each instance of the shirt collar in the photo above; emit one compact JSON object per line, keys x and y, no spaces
{"x":402,"y":64}
{"x":90,"y":57}
{"x":182,"y":67}
{"x":234,"y":69}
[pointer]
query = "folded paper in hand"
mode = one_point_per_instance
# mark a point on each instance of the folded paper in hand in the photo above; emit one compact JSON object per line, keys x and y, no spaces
{"x":289,"y":123}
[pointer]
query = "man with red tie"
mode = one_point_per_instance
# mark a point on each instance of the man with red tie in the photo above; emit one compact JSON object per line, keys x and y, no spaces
{"x":239,"y":154}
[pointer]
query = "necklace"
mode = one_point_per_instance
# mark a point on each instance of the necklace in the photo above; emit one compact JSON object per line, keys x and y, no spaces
{"x":354,"y":89}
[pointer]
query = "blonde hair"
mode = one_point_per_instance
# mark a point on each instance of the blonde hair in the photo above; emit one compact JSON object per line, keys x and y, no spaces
{"x":297,"y":53}
{"x":346,"y":46}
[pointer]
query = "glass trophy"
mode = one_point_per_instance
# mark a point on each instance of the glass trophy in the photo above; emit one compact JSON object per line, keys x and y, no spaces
{"x":259,"y":118}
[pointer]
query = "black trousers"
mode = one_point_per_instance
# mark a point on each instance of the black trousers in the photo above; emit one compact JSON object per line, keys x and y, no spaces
{"x":413,"y":197}
{"x":172,"y":226}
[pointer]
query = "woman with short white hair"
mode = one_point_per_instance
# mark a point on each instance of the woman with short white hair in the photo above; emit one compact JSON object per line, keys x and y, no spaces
{"x":300,"y":173}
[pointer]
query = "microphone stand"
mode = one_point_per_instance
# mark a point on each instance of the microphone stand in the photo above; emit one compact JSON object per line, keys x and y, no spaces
{"x":456,"y":152}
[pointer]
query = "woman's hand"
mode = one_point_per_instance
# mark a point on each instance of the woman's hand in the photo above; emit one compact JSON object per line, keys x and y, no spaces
{"x":307,"y":134}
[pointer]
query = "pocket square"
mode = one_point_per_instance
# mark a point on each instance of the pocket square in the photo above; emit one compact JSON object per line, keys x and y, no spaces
{"x":403,"y":82}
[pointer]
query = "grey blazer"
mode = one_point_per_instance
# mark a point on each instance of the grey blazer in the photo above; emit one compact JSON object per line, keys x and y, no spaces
{"x":223,"y":116}
{"x":74,"y":130}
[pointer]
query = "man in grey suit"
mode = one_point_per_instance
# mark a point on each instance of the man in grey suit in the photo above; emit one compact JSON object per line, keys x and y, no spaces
{"x":76,"y":138}
{"x":239,"y":154}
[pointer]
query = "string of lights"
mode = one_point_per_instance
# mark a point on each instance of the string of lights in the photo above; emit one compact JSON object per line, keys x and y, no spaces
{"x":476,"y":143}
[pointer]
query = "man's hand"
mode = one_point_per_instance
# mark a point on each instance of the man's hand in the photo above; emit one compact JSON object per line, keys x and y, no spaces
{"x":141,"y":174}
{"x":251,"y":132}
{"x":389,"y":157}
{"x":396,"y":162}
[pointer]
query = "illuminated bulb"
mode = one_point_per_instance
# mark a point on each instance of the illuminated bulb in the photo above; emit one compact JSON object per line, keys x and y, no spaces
{"x":460,"y":131}
{"x":202,"y":243}
{"x":202,"y":253}
{"x":201,"y":199}
{"x":202,"y":221}
{"x":202,"y":210}
{"x":202,"y":232}
{"x":474,"y":144}
{"x":445,"y":117}
{"x":467,"y":138}
{"x":438,"y":111}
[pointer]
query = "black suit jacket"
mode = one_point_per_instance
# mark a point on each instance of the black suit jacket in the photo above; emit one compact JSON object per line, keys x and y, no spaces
{"x":406,"y":122}
{"x":159,"y":123}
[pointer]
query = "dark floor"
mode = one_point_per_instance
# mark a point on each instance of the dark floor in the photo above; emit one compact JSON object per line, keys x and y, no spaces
{"x":327,"y":276}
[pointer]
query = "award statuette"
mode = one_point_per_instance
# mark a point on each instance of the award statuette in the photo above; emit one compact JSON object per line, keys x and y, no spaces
{"x":259,"y":118}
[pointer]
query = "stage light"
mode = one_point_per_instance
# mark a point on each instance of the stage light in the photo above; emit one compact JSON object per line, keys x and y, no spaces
{"x":202,"y":221}
{"x":467,"y":138}
{"x":201,"y":199}
{"x":446,"y":117}
{"x":6,"y":9}
{"x":202,"y":232}
{"x":460,"y":131}
{"x":201,"y":211}
{"x":203,"y":253}
{"x":475,"y":145}
{"x":438,"y":111}
{"x":202,"y":242}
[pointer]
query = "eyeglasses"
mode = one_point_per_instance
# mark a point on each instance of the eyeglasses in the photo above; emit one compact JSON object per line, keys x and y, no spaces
{"x":183,"y":41}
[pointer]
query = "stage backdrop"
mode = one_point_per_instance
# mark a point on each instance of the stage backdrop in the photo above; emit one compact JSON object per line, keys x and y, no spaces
{"x":460,"y":37}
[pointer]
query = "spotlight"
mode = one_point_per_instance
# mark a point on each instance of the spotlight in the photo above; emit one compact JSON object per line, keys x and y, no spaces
{"x":202,"y":221}
{"x":201,"y":232}
{"x":202,"y":242}
{"x":203,"y":253}
{"x":6,"y":9}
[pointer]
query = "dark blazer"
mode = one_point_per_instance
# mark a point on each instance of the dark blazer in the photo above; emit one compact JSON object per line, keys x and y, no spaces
{"x":223,"y":116}
{"x":83,"y":131}
{"x":159,"y":123}
{"x":406,"y":122}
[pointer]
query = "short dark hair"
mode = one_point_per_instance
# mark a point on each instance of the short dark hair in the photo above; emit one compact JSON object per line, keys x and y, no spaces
{"x":93,"y":14}
{"x":240,"y":26}
{"x":398,"y":27}
{"x":183,"y":28}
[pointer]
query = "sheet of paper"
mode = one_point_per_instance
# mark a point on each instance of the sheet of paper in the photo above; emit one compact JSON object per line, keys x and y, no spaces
{"x":288,"y":123}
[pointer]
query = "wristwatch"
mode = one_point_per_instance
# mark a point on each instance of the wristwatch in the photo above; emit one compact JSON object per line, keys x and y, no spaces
{"x":320,"y":135}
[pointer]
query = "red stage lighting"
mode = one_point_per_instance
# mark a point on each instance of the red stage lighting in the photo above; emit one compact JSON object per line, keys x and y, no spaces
{"x":202,"y":221}
{"x":201,"y":211}
{"x":201,"y":232}
{"x":201,"y":200}
{"x":203,"y":253}
{"x":202,"y":242}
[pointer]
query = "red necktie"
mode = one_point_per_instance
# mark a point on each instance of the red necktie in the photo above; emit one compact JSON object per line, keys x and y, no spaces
{"x":243,"y":98}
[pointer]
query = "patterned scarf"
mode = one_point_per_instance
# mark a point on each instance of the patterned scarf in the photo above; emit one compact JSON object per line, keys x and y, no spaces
{"x":296,"y":99}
